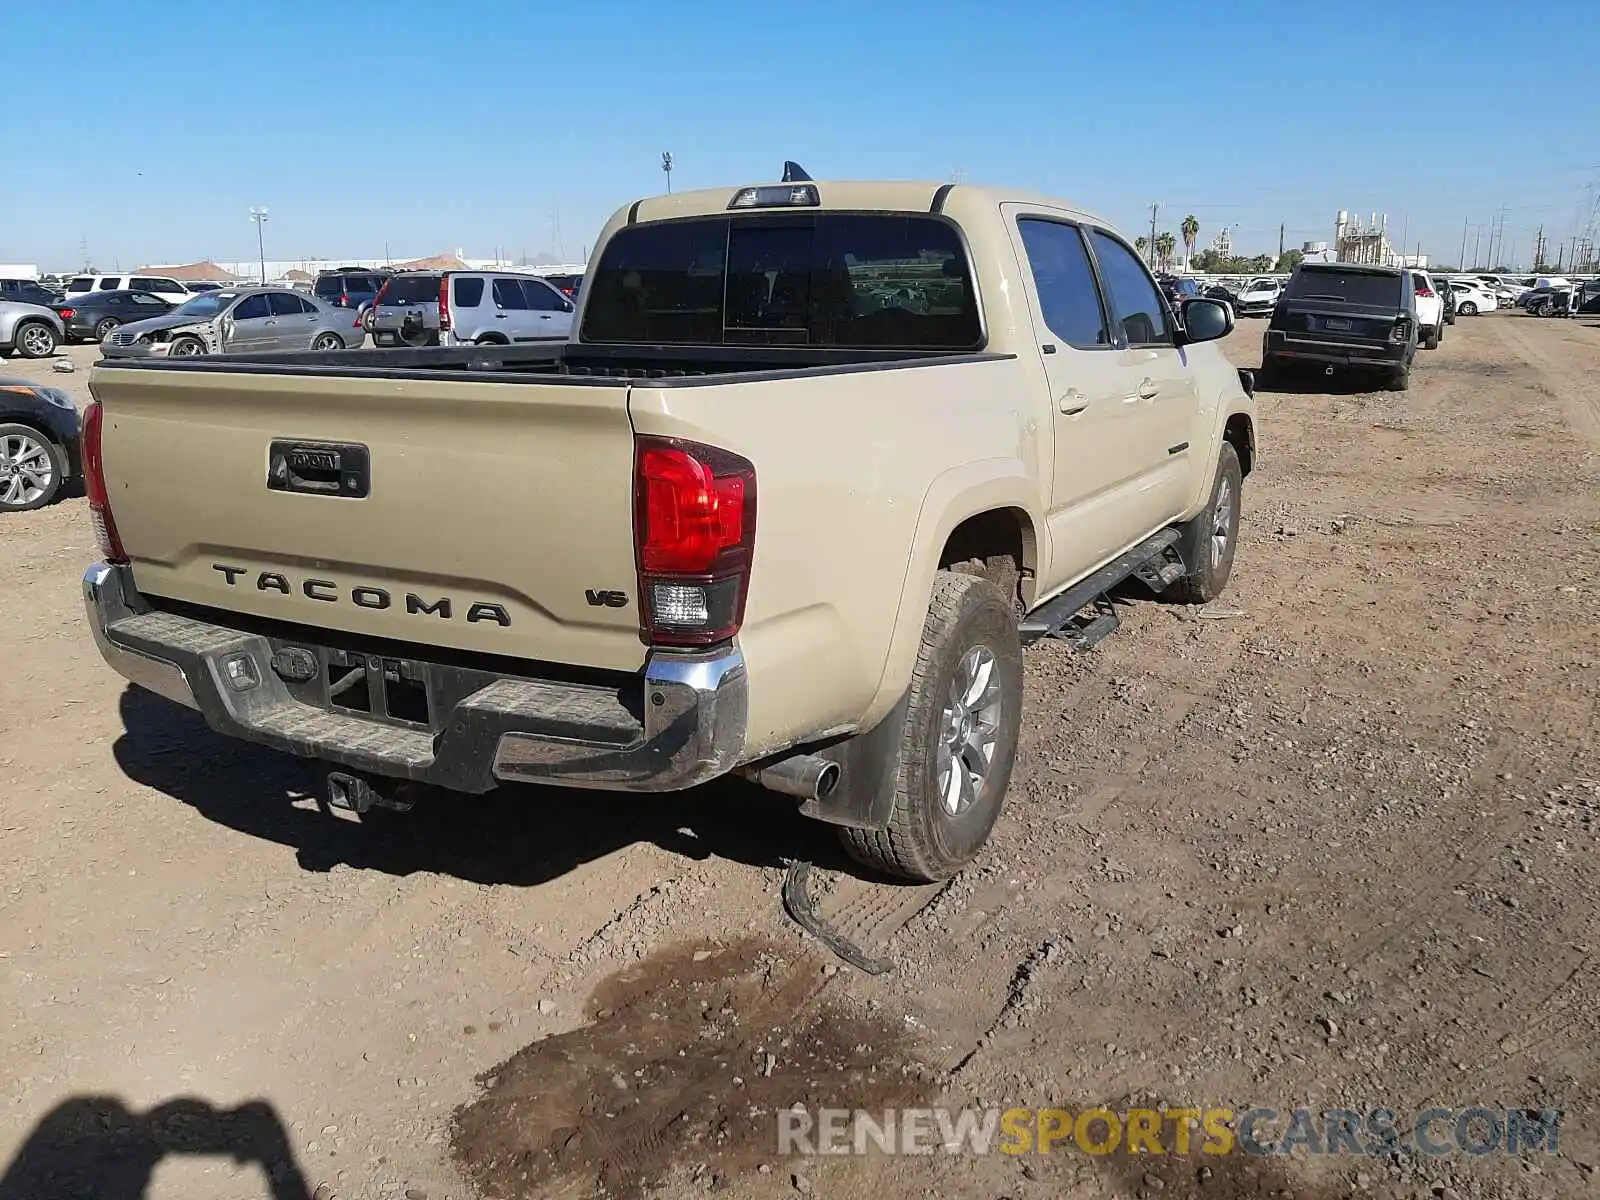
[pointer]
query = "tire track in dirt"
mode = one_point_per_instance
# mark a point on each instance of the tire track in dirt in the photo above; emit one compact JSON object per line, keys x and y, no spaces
{"x":1575,"y":386}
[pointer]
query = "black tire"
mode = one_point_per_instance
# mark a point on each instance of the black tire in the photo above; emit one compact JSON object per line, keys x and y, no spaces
{"x":1208,"y":569}
{"x":491,"y":339}
{"x":1431,"y":341}
{"x":1399,"y":379}
{"x":1271,"y":372}
{"x":924,"y":840}
{"x":105,"y":329}
{"x":1545,"y":307}
{"x":1469,"y":309}
{"x":326,"y":342}
{"x":26,"y":444}
{"x":186,"y":347}
{"x":34,"y":339}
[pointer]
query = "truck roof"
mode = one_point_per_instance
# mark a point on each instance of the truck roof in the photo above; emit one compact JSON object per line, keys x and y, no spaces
{"x":857,"y":195}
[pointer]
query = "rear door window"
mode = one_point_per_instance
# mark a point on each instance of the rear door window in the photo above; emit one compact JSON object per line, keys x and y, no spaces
{"x":508,"y":294}
{"x":861,"y":280}
{"x":468,"y":291}
{"x":1069,"y":298}
{"x":285,"y":305}
{"x":111,"y":283}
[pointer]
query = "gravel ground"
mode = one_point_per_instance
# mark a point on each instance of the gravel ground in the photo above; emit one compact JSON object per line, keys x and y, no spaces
{"x":1330,"y":842}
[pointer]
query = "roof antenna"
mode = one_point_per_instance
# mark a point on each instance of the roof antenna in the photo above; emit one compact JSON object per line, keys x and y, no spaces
{"x":793,"y":172}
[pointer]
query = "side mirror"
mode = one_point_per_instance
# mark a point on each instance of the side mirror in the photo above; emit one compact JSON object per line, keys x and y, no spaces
{"x":568,"y":306}
{"x":1205,"y":320}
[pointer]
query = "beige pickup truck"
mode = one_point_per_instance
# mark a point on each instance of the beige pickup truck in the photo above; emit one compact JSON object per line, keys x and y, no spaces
{"x":818,"y":461}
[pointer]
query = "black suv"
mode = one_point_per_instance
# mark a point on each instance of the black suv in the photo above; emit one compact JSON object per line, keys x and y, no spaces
{"x":27,"y":291}
{"x":1344,"y":315}
{"x":349,"y":287}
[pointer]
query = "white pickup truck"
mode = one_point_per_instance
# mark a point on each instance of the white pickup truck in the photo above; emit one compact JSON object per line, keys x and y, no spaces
{"x":819,"y":459}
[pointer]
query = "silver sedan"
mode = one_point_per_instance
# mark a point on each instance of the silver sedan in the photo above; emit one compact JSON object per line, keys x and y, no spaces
{"x":240,"y":321}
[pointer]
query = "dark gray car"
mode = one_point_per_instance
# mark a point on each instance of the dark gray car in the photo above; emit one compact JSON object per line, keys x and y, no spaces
{"x":240,"y":320}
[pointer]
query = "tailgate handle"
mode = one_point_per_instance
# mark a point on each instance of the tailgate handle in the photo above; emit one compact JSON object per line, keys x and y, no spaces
{"x":319,"y":468}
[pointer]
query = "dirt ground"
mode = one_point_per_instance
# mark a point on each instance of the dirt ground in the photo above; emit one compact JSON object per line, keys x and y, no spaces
{"x":1331,"y":842}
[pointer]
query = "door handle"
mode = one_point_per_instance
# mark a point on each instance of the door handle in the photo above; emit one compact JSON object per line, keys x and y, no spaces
{"x":500,"y":316}
{"x":1148,"y":389}
{"x":1072,"y":402}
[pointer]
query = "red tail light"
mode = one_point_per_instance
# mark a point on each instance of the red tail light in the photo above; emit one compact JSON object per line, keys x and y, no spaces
{"x":444,"y":303}
{"x":66,"y":313}
{"x":344,"y":299}
{"x":1425,"y":293}
{"x":694,"y":539}
{"x":94,"y":486}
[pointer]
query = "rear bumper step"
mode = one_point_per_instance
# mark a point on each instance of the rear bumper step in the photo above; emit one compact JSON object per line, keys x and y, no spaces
{"x":679,"y":723}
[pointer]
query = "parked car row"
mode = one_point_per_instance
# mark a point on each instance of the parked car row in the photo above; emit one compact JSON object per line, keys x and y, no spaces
{"x":430,"y":308}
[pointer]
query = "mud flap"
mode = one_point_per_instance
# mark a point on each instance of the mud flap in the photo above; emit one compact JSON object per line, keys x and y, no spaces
{"x":869,"y":770}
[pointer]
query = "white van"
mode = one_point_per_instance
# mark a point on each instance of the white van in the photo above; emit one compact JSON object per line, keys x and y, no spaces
{"x":169,"y":290}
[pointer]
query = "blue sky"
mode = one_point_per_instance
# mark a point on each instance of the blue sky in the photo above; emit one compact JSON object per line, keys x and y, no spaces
{"x":437,"y":124}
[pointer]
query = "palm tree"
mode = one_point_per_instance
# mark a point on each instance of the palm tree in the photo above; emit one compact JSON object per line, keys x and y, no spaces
{"x":1142,"y":244}
{"x":1165,"y":244}
{"x":1191,"y":234}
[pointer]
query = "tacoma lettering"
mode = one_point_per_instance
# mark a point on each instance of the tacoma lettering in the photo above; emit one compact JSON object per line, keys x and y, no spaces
{"x":366,"y":596}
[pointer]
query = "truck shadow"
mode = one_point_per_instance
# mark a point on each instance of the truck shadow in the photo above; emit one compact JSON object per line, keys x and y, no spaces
{"x":521,"y":835}
{"x":96,"y":1146}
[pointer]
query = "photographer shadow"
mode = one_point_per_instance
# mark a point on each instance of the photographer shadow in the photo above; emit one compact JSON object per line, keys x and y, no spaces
{"x":96,"y":1146}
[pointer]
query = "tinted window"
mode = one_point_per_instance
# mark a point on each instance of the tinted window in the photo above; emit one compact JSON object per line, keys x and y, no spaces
{"x":1351,"y":287}
{"x":508,"y":294}
{"x":1136,"y":306}
{"x":329,"y":285}
{"x":146,"y":299}
{"x":145,"y":284}
{"x":81,"y":283}
{"x":1069,"y":299}
{"x":250,"y":308}
{"x":111,"y":283}
{"x":361,"y":283}
{"x":469,"y":291}
{"x":285,"y":305}
{"x":412,"y":289}
{"x":838,"y":279}
{"x":542,"y":297}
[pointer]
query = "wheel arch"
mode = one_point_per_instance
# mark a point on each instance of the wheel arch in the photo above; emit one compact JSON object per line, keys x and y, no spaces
{"x":990,"y":507}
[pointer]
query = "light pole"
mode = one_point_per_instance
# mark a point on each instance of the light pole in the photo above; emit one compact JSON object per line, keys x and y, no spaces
{"x":666,"y":167}
{"x":259,"y":216}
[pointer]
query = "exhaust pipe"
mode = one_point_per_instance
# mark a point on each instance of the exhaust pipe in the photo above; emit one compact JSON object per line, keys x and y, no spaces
{"x":808,"y":776}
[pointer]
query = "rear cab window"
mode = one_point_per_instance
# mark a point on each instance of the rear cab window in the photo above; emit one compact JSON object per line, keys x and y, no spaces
{"x":839,"y":279}
{"x":1347,"y":286}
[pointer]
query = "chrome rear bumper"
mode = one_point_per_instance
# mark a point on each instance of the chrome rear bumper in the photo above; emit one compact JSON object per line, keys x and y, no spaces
{"x":678,"y":723}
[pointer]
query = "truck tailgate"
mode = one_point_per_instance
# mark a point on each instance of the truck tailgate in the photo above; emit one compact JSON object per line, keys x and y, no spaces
{"x":497,"y":518}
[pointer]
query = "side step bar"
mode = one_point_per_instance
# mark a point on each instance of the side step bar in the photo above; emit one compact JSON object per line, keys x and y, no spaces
{"x":1154,"y":561}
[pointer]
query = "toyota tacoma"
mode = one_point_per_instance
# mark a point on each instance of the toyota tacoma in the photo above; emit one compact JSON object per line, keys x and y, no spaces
{"x":817,"y":461}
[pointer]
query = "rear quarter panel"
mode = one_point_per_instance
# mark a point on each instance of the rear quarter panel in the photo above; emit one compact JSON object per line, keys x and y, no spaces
{"x":860,"y":477}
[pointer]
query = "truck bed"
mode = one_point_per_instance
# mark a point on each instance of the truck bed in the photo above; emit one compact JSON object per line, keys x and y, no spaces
{"x":558,"y":360}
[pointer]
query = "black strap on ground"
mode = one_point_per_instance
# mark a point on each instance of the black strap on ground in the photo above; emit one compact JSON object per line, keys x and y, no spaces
{"x":797,"y":903}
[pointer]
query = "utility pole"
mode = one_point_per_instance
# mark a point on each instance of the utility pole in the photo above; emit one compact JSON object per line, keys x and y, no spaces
{"x":1538,"y":248}
{"x":1150,"y":248}
{"x":1461,"y":259}
{"x":1280,"y":241}
{"x":1477,"y":245}
{"x":666,"y":167}
{"x":259,"y":216}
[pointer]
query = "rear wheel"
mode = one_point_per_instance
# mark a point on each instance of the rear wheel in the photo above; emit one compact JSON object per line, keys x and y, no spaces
{"x":1206,"y":543}
{"x":959,"y":741}
{"x":34,"y":339}
{"x":31,"y":469}
{"x":1469,"y":309}
{"x":1430,"y":340}
{"x":1400,"y":379}
{"x":328,"y":341}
